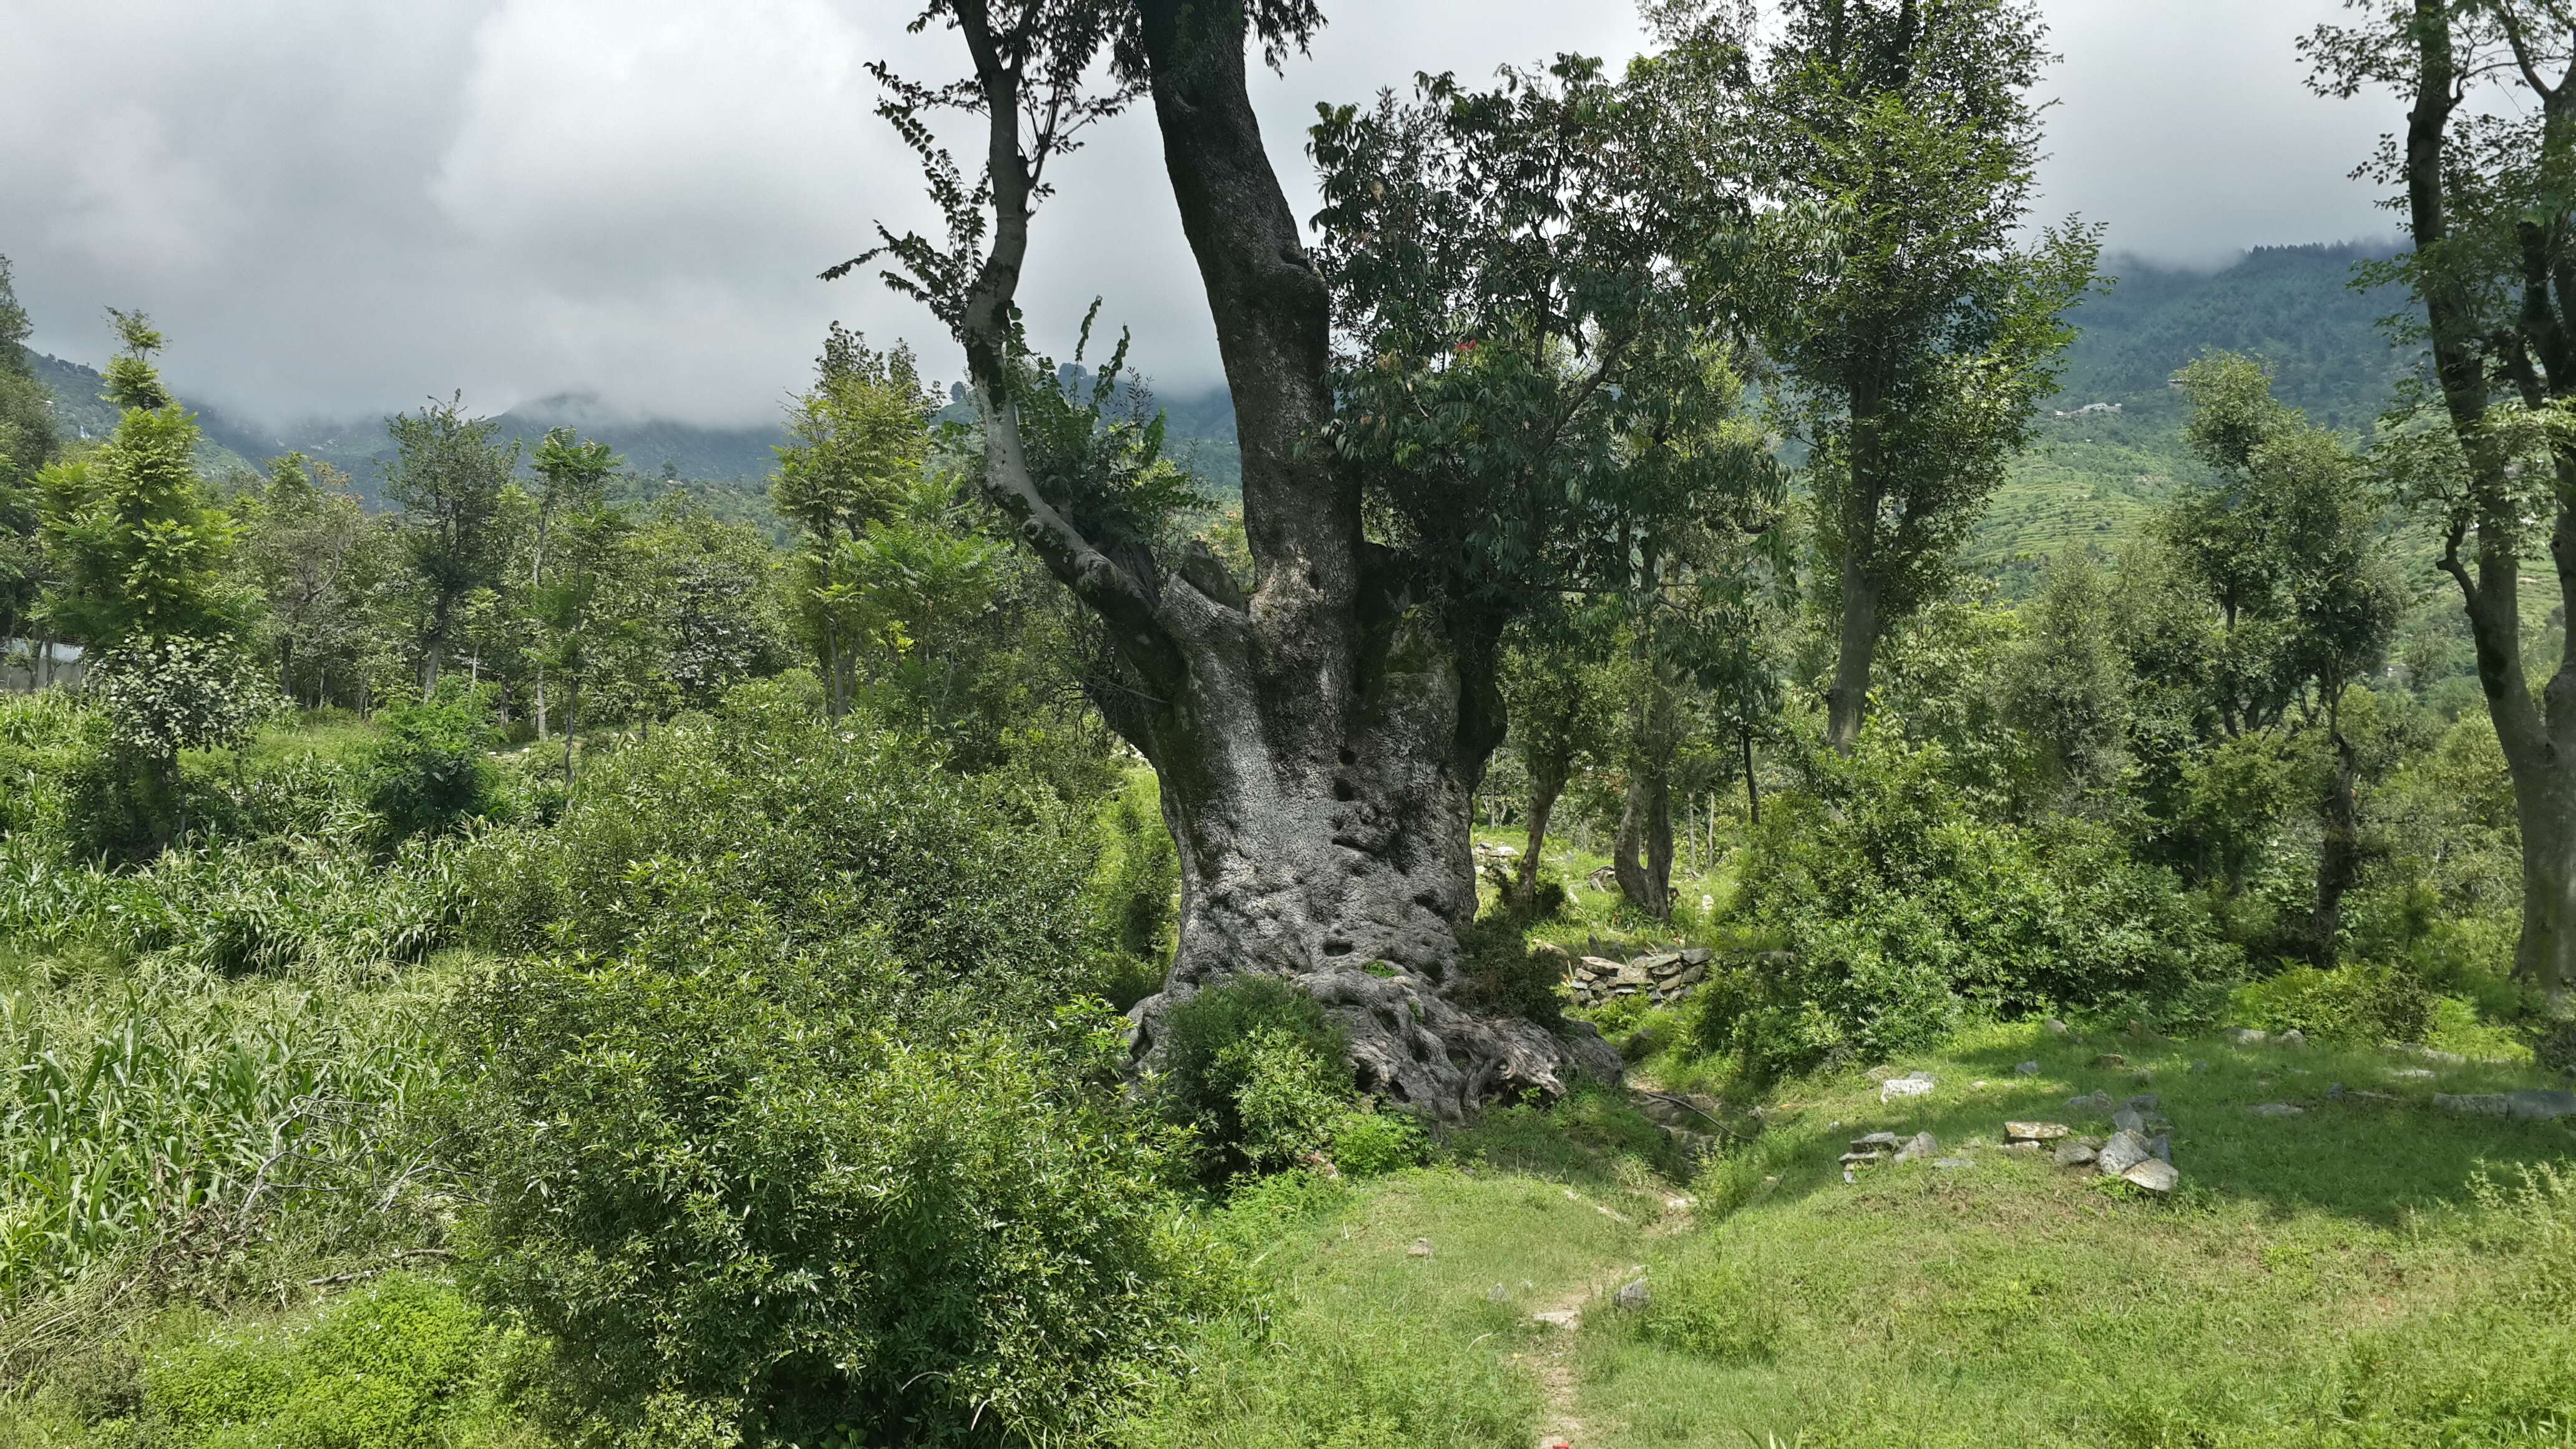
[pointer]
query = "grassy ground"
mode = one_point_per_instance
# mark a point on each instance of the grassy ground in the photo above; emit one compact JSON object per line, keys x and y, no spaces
{"x":2369,"y":1272}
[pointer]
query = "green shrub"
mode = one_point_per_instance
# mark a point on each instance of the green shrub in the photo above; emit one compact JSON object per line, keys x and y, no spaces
{"x":1366,"y":1141}
{"x":1715,"y":1313}
{"x":1903,"y":912}
{"x":1139,"y":875}
{"x":1210,"y":1049}
{"x":2357,"y":1003}
{"x":766,"y":822}
{"x":429,"y":770}
{"x":380,"y":1369}
{"x":724,"y":1192}
{"x":2553,"y":1045}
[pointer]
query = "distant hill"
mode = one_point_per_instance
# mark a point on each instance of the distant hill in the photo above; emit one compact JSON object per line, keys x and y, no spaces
{"x":2092,"y":477}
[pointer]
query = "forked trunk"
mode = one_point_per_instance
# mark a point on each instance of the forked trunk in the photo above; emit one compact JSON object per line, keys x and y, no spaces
{"x":1646,"y":829}
{"x":1545,"y":787}
{"x":1319,"y":737}
{"x":1847,"y":705}
{"x":2339,"y":860}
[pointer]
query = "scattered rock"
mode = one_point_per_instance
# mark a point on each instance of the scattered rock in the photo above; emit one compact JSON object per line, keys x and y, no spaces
{"x":2294,"y":1039}
{"x":2110,"y":1059}
{"x":2246,"y":1035}
{"x":1949,"y":1163}
{"x":2414,"y":1074}
{"x":1912,"y":1084}
{"x":1421,"y":1248}
{"x":1858,"y":1159}
{"x":2074,"y":1154}
{"x":2035,"y":1131}
{"x":2124,"y":1151}
{"x":2448,"y":1059}
{"x":2278,"y":1109}
{"x":2097,"y":1102}
{"x":2154,"y":1174}
{"x":1500,"y":1294}
{"x":1920,"y":1145}
{"x":1874,"y":1142}
{"x":2054,"y":1027}
{"x":1634,"y":1295}
{"x":1848,"y":1177}
{"x":2160,"y":1147}
{"x":1560,"y":1317}
{"x":2538,"y":1106}
{"x":2145,"y":1102}
{"x":2129,"y":1119}
{"x":2028,"y":1069}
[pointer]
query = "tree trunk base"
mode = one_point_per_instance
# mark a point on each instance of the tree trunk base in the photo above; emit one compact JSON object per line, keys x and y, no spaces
{"x":1417,"y":1049}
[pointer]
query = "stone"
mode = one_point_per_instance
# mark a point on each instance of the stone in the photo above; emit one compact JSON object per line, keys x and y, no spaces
{"x":1913,"y":1084}
{"x":2537,"y":1106}
{"x":2129,"y":1119}
{"x":2124,"y":1151}
{"x":2110,"y":1059}
{"x":2035,"y":1131}
{"x":2247,"y":1036}
{"x":1920,"y":1146}
{"x":1858,"y":1159}
{"x":2277,"y":1109}
{"x":1560,"y":1317}
{"x":1421,"y":1248}
{"x":1696,"y":956}
{"x":1659,"y":965}
{"x":2294,"y":1039}
{"x":2145,"y":1102}
{"x":2074,"y":1154}
{"x":2054,"y":1027}
{"x":1875,"y":1142}
{"x":2154,"y":1174}
{"x":1635,"y":1295}
{"x":2028,"y":1069}
{"x":2414,"y":1074}
{"x":1848,"y":1178}
{"x":1598,"y":966}
{"x":1500,"y":1294}
{"x":2096,"y":1102}
{"x":2160,"y":1147}
{"x":1951,"y":1164}
{"x":2033,"y":1148}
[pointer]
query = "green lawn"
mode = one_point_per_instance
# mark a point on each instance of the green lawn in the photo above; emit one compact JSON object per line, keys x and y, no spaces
{"x":2365,"y":1273}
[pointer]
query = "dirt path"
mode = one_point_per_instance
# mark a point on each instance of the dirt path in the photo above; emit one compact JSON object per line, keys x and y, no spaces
{"x":1554,"y":1367}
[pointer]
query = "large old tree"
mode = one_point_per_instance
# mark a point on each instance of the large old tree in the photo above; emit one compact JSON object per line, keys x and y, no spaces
{"x":2487,"y":176}
{"x":1486,"y":383}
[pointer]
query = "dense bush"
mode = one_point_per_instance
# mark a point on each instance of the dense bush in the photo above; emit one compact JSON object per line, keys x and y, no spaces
{"x":430,"y":770}
{"x":1207,"y":1061}
{"x":727,"y":1195}
{"x":1903,"y":912}
{"x":384,"y":1368}
{"x":2362,"y":1003}
{"x":766,"y":818}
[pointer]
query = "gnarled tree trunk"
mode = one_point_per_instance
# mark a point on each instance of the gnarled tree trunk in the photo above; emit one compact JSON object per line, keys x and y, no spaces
{"x":1319,"y":737}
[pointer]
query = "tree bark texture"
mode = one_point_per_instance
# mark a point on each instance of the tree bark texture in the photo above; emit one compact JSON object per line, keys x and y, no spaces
{"x":2537,"y":734}
{"x":1319,"y":737}
{"x":1544,"y":789}
{"x":2339,"y":858}
{"x":1847,"y":706}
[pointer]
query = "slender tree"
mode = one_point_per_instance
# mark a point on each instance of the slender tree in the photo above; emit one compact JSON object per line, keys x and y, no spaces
{"x":1498,"y":265}
{"x":313,"y":552}
{"x":26,"y":446}
{"x":447,"y":476}
{"x":572,"y":477}
{"x":2486,"y":178}
{"x":1924,"y":333}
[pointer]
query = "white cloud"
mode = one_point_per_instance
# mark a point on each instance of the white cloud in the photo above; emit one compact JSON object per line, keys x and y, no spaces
{"x":337,"y":206}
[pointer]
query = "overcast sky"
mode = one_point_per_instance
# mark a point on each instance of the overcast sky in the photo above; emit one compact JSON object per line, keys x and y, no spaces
{"x":335,"y":207}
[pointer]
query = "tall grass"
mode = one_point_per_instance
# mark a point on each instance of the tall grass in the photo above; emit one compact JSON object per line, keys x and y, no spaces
{"x":184,"y":1115}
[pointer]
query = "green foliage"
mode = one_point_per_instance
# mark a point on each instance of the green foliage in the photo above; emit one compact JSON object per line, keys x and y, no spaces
{"x":1719,"y":1312}
{"x":715,"y":1183}
{"x":1499,"y":972}
{"x":767,"y":821}
{"x":1904,"y":914}
{"x":176,"y":1115}
{"x":2356,"y":1003}
{"x":384,"y":1368}
{"x":140,"y":546}
{"x":1254,"y":1035}
{"x":448,"y":476}
{"x":429,"y":770}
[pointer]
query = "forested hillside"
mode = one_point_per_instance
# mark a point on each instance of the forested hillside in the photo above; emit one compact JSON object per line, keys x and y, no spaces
{"x":1458,"y":894}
